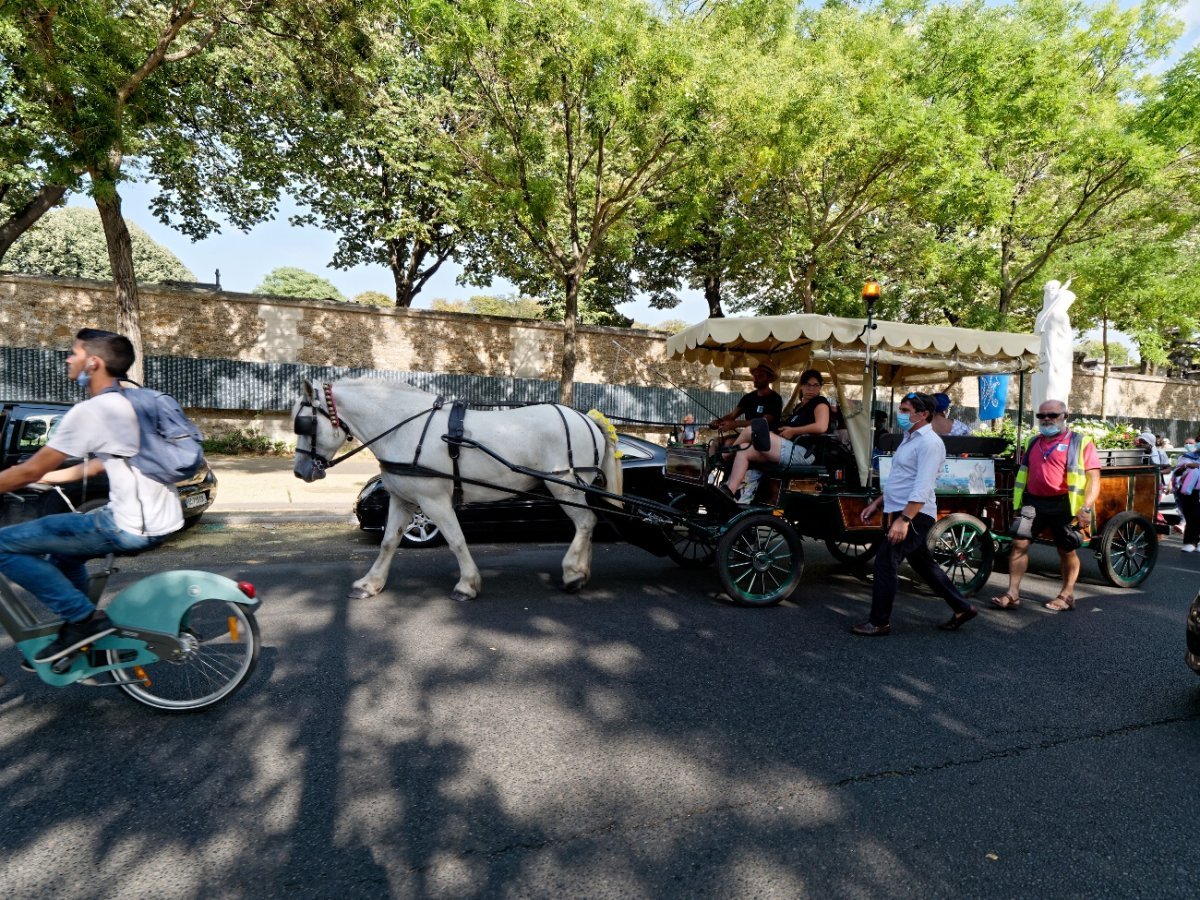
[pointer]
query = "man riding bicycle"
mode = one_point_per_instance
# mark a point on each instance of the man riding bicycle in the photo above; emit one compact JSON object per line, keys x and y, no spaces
{"x":47,"y":556}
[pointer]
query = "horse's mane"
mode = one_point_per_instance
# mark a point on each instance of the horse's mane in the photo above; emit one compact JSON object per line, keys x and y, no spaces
{"x":368,"y":381}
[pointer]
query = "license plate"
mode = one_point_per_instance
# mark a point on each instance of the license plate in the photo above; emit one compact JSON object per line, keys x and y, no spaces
{"x":195,"y":500}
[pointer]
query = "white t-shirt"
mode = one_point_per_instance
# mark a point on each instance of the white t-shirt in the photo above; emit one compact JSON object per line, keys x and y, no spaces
{"x":107,"y":426}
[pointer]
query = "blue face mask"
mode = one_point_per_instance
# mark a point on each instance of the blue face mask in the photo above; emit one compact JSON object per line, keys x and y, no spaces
{"x":904,"y":420}
{"x":83,"y":379}
{"x":1189,"y":447}
{"x":1049,"y":430}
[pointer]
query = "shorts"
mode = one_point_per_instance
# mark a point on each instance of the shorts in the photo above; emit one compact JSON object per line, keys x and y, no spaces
{"x":1054,"y":514}
{"x":793,"y":454}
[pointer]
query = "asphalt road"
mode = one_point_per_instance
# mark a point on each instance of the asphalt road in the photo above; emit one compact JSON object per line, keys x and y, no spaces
{"x":641,"y":739}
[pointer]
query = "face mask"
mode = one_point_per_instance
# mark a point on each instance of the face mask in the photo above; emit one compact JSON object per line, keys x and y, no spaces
{"x":1189,"y":447}
{"x":904,"y":420}
{"x":84,"y":378}
{"x":1049,"y":429}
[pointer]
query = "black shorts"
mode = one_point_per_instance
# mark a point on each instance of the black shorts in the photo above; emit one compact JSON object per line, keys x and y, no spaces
{"x":1053,"y":513}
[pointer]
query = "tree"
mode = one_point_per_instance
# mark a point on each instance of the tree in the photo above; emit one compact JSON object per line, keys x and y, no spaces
{"x":99,"y":79}
{"x":1116,"y":354}
{"x":368,"y":170}
{"x":576,"y":111}
{"x":70,"y":242}
{"x":1047,"y":92}
{"x":846,"y":136}
{"x":513,"y":307}
{"x":373,"y":298}
{"x":289,"y":281}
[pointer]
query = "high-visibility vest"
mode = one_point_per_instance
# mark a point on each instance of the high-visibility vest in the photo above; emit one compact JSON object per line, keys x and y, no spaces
{"x":1076,"y":474}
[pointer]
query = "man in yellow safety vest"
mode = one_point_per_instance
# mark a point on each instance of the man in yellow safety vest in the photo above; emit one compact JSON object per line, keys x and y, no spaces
{"x":1058,"y":482}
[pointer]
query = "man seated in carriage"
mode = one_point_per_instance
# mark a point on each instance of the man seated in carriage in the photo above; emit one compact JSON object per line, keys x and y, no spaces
{"x":761,"y":403}
{"x":795,"y":441}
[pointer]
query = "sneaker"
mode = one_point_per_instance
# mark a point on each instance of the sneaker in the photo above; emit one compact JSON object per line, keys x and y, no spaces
{"x":74,"y":635}
{"x":1189,"y":548}
{"x":27,"y":666}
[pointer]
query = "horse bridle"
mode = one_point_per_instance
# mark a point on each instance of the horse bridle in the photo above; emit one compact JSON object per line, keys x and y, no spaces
{"x":306,"y":426}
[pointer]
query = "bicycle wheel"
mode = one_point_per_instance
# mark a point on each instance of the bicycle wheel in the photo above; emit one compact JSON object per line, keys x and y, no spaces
{"x":221,"y":645}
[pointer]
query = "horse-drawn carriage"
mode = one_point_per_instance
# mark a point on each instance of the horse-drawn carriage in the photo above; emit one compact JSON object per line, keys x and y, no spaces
{"x":757,"y":549}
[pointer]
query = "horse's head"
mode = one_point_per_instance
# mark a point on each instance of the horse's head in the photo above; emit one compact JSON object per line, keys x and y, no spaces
{"x":320,"y":432}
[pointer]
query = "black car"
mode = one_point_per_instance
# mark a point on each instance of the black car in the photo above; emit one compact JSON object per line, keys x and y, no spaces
{"x":26,"y":427}
{"x":519,"y":518}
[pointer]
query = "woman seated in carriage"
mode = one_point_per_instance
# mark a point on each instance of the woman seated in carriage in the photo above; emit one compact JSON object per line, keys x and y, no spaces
{"x":796,"y":439}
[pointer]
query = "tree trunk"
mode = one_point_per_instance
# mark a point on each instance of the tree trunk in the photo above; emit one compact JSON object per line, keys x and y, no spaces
{"x":24,"y":218}
{"x":397,"y":260}
{"x":566,"y":384}
{"x":806,"y":292}
{"x":120,"y":257}
{"x":712,"y":294}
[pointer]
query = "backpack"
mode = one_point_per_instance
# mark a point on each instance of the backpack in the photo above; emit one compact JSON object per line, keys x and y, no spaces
{"x":170,"y":442}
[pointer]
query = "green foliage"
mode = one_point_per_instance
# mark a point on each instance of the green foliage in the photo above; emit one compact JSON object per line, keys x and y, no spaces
{"x":70,"y":242}
{"x":512,"y":307}
{"x":246,"y":442}
{"x":1118,"y":354}
{"x":374,"y":298}
{"x":1107,"y":435}
{"x":289,"y":281}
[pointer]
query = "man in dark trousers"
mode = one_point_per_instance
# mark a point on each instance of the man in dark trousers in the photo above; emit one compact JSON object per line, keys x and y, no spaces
{"x":910,"y":503}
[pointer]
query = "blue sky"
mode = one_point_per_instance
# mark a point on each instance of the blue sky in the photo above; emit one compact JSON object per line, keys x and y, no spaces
{"x":245,"y":257}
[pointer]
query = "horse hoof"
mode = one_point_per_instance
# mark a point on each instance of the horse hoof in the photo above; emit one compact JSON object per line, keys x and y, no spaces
{"x":360,"y":593}
{"x":461,"y":596}
{"x":573,"y":587}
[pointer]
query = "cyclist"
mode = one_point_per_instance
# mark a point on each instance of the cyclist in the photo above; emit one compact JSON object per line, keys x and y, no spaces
{"x":46,"y":556}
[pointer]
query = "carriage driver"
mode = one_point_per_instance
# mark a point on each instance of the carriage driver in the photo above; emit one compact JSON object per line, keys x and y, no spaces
{"x":46,"y":556}
{"x":760,"y":403}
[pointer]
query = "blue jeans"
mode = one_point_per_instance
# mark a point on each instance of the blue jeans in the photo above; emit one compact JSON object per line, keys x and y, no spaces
{"x":47,"y":556}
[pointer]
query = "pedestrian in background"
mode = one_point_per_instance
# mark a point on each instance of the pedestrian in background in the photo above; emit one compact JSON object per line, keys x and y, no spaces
{"x":1186,"y":482}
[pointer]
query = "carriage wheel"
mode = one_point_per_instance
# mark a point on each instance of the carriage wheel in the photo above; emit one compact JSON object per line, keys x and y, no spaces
{"x":962,"y":546}
{"x":1128,"y":549}
{"x":760,"y":560}
{"x":684,"y":546}
{"x":853,"y":553}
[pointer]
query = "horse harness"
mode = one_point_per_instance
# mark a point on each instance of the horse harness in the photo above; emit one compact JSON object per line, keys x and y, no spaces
{"x":306,"y":426}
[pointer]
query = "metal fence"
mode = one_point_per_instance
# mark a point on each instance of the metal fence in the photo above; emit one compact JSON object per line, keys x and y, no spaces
{"x":225,"y":384}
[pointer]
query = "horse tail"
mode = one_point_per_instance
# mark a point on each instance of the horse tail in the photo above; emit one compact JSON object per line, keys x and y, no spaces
{"x":610,"y":462}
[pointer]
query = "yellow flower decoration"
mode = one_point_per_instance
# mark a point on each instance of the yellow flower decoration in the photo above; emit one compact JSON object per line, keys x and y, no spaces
{"x":609,"y":428}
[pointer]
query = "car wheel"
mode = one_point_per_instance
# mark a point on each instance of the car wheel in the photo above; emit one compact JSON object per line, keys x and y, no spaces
{"x":421,"y":532}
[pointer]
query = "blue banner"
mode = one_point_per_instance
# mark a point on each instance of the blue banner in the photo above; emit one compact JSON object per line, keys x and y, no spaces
{"x":993,"y":396}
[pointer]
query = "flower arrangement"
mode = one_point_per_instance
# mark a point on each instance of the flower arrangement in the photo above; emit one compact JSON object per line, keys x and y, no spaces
{"x":609,"y":428}
{"x":1105,"y":435}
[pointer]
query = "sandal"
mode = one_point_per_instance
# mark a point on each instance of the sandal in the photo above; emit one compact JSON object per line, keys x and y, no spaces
{"x":1007,"y":600}
{"x":1061,"y":603}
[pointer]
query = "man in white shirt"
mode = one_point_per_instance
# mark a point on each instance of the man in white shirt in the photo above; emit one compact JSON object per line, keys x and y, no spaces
{"x":910,"y":501}
{"x":46,"y":556}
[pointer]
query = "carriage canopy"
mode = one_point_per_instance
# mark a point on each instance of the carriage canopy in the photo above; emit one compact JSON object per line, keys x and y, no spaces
{"x":906,"y":355}
{"x":903,"y":355}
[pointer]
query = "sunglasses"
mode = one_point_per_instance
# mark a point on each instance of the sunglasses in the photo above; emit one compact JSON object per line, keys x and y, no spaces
{"x":1043,"y":416}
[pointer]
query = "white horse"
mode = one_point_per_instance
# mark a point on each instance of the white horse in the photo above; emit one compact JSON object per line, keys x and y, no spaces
{"x":549,"y":439}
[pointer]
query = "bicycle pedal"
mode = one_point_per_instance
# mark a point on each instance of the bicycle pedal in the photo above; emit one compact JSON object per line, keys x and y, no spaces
{"x":62,"y":665}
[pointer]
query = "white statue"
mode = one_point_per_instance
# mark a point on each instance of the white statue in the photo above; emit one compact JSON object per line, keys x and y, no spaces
{"x":1052,"y":381}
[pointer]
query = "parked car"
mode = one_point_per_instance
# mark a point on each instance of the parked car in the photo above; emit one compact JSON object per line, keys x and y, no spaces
{"x":519,"y":518}
{"x":26,"y":427}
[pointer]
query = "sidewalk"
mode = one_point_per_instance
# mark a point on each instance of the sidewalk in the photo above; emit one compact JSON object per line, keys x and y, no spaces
{"x":263,"y":489}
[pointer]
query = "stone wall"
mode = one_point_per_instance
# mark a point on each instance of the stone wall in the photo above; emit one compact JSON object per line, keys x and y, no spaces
{"x":45,"y":313}
{"x":40,"y":312}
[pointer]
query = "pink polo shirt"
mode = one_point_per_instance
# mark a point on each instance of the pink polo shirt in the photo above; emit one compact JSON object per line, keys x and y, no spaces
{"x":1047,"y":461}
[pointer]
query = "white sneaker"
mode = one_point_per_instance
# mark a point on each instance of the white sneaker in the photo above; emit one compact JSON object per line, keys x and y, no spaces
{"x":1189,"y":548}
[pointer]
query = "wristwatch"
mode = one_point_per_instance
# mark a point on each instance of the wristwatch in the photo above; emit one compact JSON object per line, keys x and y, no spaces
{"x":905,"y":518}
{"x":1087,"y":509}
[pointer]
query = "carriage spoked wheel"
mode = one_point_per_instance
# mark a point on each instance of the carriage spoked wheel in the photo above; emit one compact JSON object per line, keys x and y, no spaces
{"x":685,"y":545}
{"x":962,"y":546}
{"x":760,"y":560}
{"x":853,"y":553}
{"x":1128,"y":549}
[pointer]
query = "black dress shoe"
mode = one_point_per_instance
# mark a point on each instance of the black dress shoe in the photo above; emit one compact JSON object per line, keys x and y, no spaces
{"x":866,"y":629}
{"x":957,"y":620}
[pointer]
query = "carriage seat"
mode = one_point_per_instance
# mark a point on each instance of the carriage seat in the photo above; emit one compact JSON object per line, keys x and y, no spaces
{"x":794,"y":470}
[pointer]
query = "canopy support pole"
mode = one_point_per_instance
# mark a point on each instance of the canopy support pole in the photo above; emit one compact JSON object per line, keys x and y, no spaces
{"x":1020,"y":410}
